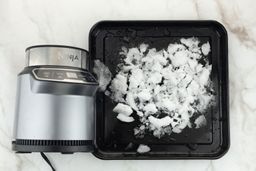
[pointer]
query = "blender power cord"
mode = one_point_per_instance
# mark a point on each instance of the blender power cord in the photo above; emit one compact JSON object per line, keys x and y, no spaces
{"x":47,"y":161}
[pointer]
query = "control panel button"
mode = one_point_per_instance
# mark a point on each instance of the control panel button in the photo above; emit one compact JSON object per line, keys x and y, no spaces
{"x":71,"y":75}
{"x":44,"y":74}
{"x":60,"y":75}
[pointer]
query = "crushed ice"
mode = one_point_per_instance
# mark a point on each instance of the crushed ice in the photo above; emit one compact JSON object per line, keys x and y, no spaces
{"x":164,"y":88}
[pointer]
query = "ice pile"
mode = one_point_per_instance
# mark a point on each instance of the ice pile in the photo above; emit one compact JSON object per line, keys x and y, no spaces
{"x":164,"y":88}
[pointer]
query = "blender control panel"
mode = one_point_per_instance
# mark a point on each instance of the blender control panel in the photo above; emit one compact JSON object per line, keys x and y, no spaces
{"x":64,"y":75}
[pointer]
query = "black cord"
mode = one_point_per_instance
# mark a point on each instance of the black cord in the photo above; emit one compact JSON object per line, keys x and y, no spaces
{"x":47,"y":160}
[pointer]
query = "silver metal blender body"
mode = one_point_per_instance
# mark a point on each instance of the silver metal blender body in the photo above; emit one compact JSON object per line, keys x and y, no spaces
{"x":55,"y":105}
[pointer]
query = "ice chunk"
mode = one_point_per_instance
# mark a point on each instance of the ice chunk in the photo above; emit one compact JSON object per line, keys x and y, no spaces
{"x":184,"y":121}
{"x":143,"y":148}
{"x":172,"y":48}
{"x":139,"y":113}
{"x":179,"y":58}
{"x":192,"y":64}
{"x":136,"y":78}
{"x":130,"y":101}
{"x":123,"y":108}
{"x":158,"y":123}
{"x":190,"y":42}
{"x":143,"y":47}
{"x":160,"y":58}
{"x":204,"y":76}
{"x":157,"y":67}
{"x":206,"y":48}
{"x":124,"y":118}
{"x":144,"y":95}
{"x":166,"y":104}
{"x":193,"y":88}
{"x":103,"y":74}
{"x":150,"y":108}
{"x":199,"y":68}
{"x":155,"y":78}
{"x":176,"y":130}
{"x":133,"y":56}
{"x":200,"y":121}
{"x":118,"y":87}
{"x":127,"y":68}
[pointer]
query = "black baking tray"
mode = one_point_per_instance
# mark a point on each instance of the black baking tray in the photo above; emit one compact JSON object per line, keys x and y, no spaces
{"x":114,"y":139}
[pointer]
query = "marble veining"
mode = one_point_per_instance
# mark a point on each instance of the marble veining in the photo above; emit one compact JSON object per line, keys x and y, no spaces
{"x":25,"y":23}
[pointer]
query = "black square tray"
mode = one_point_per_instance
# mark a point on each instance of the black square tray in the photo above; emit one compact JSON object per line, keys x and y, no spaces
{"x":112,"y":137}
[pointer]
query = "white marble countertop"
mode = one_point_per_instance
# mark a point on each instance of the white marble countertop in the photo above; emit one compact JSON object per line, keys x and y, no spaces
{"x":25,"y":23}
